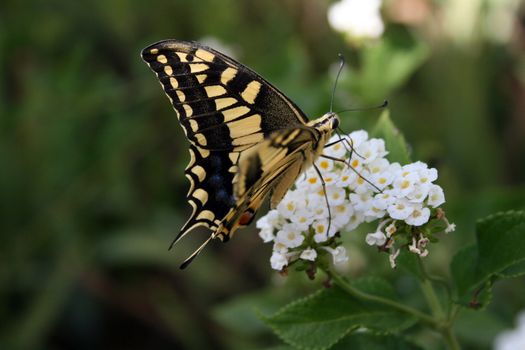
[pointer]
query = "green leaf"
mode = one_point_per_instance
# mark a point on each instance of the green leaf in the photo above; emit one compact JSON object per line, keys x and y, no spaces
{"x":241,"y":314}
{"x":325,"y":317}
{"x":410,"y":263}
{"x":388,"y":64}
{"x":363,"y":341}
{"x":469,"y":323}
{"x":395,"y":142}
{"x":499,"y":253}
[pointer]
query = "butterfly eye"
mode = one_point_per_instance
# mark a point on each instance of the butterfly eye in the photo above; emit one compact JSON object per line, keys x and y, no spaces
{"x":335,"y":123}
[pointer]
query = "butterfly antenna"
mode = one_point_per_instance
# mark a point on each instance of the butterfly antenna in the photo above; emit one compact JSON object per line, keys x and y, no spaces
{"x":341,"y":65}
{"x":195,"y":253}
{"x":382,"y":105}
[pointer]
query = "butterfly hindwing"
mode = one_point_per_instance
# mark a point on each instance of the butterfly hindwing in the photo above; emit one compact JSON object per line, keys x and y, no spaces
{"x":208,"y":195}
{"x":269,"y":167}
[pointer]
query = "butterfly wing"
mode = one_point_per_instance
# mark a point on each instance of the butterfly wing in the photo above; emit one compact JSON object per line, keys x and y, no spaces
{"x":272,"y":166}
{"x":224,"y":108}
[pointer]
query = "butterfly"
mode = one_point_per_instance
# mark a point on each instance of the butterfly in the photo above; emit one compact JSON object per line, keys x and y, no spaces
{"x":247,"y":140}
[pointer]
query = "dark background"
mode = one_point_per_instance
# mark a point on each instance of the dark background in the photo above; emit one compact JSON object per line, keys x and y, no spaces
{"x":91,"y":160}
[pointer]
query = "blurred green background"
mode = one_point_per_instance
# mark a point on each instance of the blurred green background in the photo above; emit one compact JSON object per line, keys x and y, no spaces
{"x":91,"y":159}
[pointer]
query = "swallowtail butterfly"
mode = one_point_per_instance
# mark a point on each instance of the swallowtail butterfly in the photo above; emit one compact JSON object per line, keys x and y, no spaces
{"x":247,"y":140}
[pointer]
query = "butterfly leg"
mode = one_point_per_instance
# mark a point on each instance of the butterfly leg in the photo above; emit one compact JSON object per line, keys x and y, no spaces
{"x":351,"y":167}
{"x":323,"y":184}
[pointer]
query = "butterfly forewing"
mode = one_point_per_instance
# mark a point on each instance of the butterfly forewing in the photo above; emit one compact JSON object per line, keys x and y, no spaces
{"x":224,"y":108}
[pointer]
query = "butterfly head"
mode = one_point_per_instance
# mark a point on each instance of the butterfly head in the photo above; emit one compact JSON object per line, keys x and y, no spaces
{"x":327,"y":123}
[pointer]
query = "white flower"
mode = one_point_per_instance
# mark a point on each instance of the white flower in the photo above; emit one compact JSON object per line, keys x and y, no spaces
{"x":426,"y":176}
{"x":384,"y":199}
{"x":404,"y":183}
{"x":371,"y":150}
{"x":308,"y":254}
{"x":338,"y":254}
{"x":289,"y":236}
{"x":377,"y":238}
{"x":391,"y":229}
{"x":450,"y":228}
{"x":418,"y":217}
{"x":415,"y":167}
{"x":392,"y":258}
{"x":355,"y":220}
{"x":321,"y":233}
{"x":382,"y":179}
{"x":280,"y":247}
{"x":288,"y":205}
{"x":346,"y":177}
{"x":341,"y":214}
{"x":361,"y":202}
{"x":512,"y":339}
{"x":325,"y":165}
{"x":400,"y":210}
{"x":357,"y":18}
{"x":337,"y":150}
{"x":378,"y":166}
{"x":271,"y":220}
{"x":302,"y":219}
{"x":436,"y":197}
{"x":358,"y":137}
{"x":278,"y":261}
{"x":419,"y":193}
{"x":336,"y":195}
{"x":361,"y":185}
{"x":418,"y":247}
{"x":414,"y":247}
{"x":377,"y":209}
{"x":266,"y":234}
{"x":310,"y":181}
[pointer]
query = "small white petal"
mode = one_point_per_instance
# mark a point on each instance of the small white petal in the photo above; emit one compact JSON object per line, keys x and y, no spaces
{"x":450,"y":228}
{"x":436,"y":196}
{"x":267,"y":235}
{"x":392,"y":258}
{"x":290,"y":236}
{"x":338,"y":254}
{"x":278,"y":261}
{"x":400,"y":210}
{"x":308,"y":254}
{"x":418,"y":217}
{"x":377,"y":238}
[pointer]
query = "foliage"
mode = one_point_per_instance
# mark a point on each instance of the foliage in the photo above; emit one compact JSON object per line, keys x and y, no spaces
{"x":368,"y":307}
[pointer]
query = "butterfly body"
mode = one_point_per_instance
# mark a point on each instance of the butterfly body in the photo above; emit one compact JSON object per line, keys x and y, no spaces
{"x":247,"y":139}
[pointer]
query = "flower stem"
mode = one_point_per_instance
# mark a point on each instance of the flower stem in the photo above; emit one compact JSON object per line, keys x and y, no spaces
{"x":444,"y":321}
{"x":432,"y":299}
{"x":347,"y":287}
{"x":450,"y":338}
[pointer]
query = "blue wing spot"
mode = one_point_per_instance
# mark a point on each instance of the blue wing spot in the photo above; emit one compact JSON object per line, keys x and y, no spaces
{"x":216,"y":180}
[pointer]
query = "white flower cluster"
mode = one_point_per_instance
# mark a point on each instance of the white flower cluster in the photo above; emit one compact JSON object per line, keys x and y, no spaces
{"x":364,"y":188}
{"x":357,"y":18}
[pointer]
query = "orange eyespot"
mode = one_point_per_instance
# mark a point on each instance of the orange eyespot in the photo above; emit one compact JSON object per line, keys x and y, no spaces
{"x":246,"y":218}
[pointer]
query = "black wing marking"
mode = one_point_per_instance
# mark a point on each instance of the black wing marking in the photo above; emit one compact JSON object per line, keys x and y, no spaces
{"x":224,"y":109}
{"x":221,"y":104}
